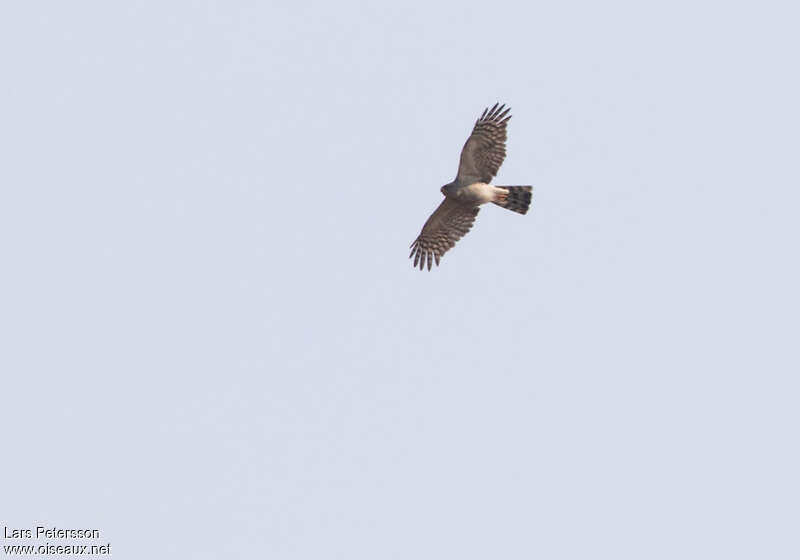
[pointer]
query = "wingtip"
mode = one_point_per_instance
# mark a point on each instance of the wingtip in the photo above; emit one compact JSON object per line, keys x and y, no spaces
{"x":497,"y":112}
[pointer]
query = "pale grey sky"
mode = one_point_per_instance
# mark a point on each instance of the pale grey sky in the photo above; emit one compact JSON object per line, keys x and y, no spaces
{"x":214,"y":345}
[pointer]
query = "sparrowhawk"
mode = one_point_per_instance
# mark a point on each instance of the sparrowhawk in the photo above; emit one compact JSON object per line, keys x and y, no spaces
{"x":481,"y":157}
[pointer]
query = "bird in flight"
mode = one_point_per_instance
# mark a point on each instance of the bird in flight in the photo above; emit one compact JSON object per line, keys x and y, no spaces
{"x":481,"y":157}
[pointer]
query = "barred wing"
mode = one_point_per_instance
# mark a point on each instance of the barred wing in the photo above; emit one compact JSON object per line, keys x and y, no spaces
{"x":448,"y":223}
{"x":485,"y":149}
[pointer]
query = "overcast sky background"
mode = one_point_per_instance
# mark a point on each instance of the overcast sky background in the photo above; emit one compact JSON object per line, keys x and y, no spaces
{"x":214,"y":345}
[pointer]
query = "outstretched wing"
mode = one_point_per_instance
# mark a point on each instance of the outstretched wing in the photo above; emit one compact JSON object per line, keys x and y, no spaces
{"x":448,"y":223}
{"x":485,"y":149}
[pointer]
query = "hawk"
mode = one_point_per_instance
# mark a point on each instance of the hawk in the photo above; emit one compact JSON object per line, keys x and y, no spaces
{"x":481,"y":157}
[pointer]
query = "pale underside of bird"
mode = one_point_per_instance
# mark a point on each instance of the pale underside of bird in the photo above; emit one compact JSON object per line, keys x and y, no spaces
{"x":481,"y":157}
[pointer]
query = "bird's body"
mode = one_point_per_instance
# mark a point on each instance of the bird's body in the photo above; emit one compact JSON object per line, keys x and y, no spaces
{"x":474,"y":193}
{"x":481,"y":157}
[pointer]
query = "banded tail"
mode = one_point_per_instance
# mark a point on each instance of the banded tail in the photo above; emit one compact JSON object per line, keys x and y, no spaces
{"x":518,"y":198}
